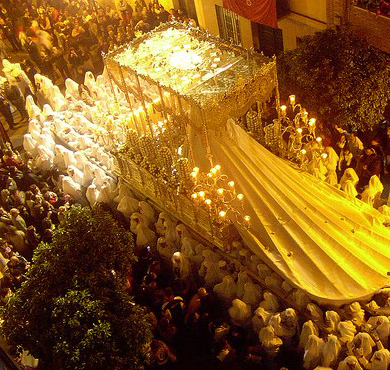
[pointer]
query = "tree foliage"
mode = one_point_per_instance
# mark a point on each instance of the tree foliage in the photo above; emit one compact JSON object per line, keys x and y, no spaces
{"x":336,"y":75}
{"x":73,"y":311}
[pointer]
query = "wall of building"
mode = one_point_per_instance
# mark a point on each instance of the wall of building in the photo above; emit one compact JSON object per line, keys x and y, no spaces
{"x":366,"y":24}
{"x":313,"y":9}
{"x":306,"y":18}
{"x":375,"y":29}
{"x":295,"y":26}
{"x":207,"y":17}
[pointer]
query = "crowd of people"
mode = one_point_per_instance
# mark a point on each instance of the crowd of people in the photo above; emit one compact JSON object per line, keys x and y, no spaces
{"x":380,"y":7}
{"x":31,"y":209}
{"x":205,"y":307}
{"x":355,"y":168}
{"x":67,"y":38}
{"x":219,"y":310}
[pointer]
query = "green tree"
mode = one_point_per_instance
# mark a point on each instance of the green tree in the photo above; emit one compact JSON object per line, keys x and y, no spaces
{"x":73,"y":311}
{"x":338,"y":77}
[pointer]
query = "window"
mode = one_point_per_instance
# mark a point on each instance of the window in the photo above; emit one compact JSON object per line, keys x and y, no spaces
{"x":229,"y":25}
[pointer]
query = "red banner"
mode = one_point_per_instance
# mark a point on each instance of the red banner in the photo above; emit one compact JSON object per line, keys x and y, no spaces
{"x":259,"y":11}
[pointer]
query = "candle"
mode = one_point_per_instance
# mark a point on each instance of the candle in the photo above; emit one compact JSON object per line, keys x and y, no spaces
{"x":292,"y":100}
{"x":222,"y":215}
{"x":142,"y":117}
{"x":220,"y":191}
{"x":202,"y":194}
{"x":166,"y":99}
{"x":231,"y":184}
{"x":150,"y":110}
{"x":240,"y":197}
{"x":303,"y":151}
{"x":283,"y":109}
{"x":299,"y":131}
{"x":305,"y":116}
{"x":193,"y":176}
{"x":136,"y":117}
{"x":208,"y":203}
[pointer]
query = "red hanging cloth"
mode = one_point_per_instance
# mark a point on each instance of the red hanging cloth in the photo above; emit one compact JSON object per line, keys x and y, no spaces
{"x":259,"y":11}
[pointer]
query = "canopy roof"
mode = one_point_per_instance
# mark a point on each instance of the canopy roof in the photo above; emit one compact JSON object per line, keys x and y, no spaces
{"x":191,"y":63}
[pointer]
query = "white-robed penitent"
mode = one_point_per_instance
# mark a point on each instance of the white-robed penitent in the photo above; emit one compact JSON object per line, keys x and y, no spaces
{"x":308,"y":328}
{"x":159,"y":225}
{"x":350,"y":362}
{"x":373,"y":191}
{"x":75,"y":174}
{"x":164,"y":250}
{"x":30,"y":145}
{"x":240,"y":313}
{"x":34,"y":129}
{"x":356,"y":312}
{"x":139,"y":226}
{"x":380,"y":360}
{"x":187,"y":246}
{"x":270,"y":302}
{"x":209,"y":272}
{"x":69,"y":186}
{"x":182,"y":265}
{"x":243,"y":278}
{"x":72,"y":88}
{"x":92,"y":195}
{"x":382,"y":326}
{"x":312,"y":354}
{"x":226,"y":290}
{"x":31,"y":107}
{"x":365,"y":342}
{"x":349,"y":181}
{"x":332,"y":319}
{"x":44,"y":159}
{"x":127,"y":206}
{"x":269,"y":340}
{"x":252,"y":294}
{"x":260,"y":319}
{"x":58,"y":161}
{"x":89,"y":80}
{"x":346,"y":330}
{"x":170,"y":233}
{"x":331,"y":162}
{"x":330,"y":351}
{"x":315,"y":312}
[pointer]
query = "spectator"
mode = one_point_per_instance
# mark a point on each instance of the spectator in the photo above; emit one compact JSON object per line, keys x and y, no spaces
{"x":5,"y":110}
{"x":126,"y":11}
{"x":60,"y":63}
{"x":18,"y":220}
{"x":33,"y":51}
{"x":18,"y":240}
{"x":12,"y":93}
{"x":9,"y":33}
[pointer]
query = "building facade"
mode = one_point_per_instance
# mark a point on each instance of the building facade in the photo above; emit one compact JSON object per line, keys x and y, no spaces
{"x":365,"y":22}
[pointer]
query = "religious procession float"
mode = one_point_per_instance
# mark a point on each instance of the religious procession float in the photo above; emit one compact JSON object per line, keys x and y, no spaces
{"x":192,"y":146}
{"x":181,"y":118}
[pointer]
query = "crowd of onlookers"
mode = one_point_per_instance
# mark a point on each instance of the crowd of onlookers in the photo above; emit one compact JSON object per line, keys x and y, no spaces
{"x":31,"y":207}
{"x":66,"y":38}
{"x":380,"y":7}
